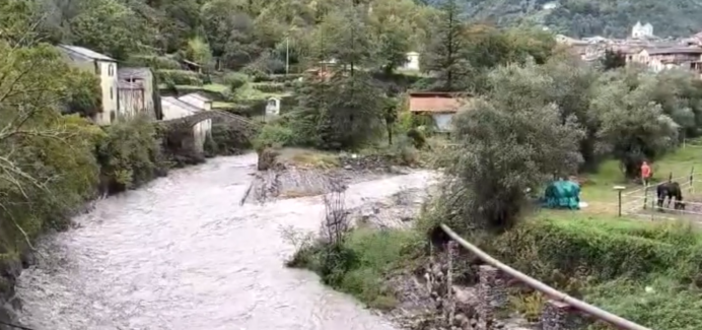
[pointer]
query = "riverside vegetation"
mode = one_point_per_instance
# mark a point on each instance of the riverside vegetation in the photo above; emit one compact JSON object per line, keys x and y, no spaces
{"x":537,"y":112}
{"x":536,"y":115}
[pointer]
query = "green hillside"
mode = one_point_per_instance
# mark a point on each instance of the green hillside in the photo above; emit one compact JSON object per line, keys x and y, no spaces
{"x":581,"y":18}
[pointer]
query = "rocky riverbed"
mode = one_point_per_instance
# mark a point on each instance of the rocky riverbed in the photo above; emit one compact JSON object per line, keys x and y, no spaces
{"x":424,"y":301}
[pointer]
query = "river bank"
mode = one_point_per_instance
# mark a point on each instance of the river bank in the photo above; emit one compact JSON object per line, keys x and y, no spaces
{"x":66,"y":176}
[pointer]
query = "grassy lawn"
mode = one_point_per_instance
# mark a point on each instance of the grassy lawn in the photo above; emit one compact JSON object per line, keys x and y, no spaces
{"x":647,"y":272}
{"x":307,"y":158}
{"x":216,"y":88}
{"x":598,"y":190}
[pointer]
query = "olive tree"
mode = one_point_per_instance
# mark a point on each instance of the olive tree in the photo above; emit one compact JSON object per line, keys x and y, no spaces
{"x":501,"y":151}
{"x":633,"y":126}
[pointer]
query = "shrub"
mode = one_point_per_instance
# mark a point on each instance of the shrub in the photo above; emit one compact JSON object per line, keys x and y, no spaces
{"x":359,"y":264}
{"x":130,"y":154}
{"x":236,"y":80}
{"x":274,"y":135}
{"x":270,"y":87}
{"x":225,"y":141}
{"x":154,"y":62}
{"x":179,"y":77}
{"x":644,"y":272}
{"x":277,"y":78}
{"x":417,"y":137}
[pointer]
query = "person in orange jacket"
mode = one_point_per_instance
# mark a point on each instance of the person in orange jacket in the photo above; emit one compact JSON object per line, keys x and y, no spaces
{"x":645,"y":173}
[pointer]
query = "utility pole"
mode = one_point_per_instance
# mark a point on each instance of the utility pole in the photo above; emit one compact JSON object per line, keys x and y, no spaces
{"x":287,"y":55}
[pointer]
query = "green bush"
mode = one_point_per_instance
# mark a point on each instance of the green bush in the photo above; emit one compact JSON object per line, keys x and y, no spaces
{"x":225,"y":141}
{"x":236,"y":80}
{"x":277,"y":78}
{"x":180,"y":77}
{"x":360,"y":264}
{"x":645,"y":272}
{"x":270,"y":87}
{"x":154,"y":62}
{"x":417,"y":137}
{"x":130,"y":155}
{"x":275,"y":134}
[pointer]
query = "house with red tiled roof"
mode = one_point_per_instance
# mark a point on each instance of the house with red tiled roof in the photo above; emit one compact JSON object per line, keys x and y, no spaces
{"x":439,"y":105}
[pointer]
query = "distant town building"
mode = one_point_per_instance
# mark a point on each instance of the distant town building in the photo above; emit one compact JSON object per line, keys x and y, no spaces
{"x":642,"y":31}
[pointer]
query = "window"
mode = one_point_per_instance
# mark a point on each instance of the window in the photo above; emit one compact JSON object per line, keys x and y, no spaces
{"x":111,"y":70}
{"x":97,"y":68}
{"x":112,"y":96}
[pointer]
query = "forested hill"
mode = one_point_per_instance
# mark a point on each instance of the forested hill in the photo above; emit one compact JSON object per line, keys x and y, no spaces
{"x":581,"y":18}
{"x":236,"y":31}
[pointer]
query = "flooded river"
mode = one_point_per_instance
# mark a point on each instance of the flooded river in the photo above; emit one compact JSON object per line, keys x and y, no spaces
{"x":182,"y":254}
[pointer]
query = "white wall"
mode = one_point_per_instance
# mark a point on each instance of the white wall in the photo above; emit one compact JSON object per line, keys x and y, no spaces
{"x":412,"y":61}
{"x":443,"y":121}
{"x":196,"y":102}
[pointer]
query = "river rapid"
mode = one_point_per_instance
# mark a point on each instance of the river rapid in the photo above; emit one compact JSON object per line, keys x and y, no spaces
{"x":183,"y":254}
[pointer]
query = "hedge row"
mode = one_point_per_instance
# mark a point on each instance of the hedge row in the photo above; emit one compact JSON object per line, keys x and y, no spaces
{"x":154,"y":62}
{"x":180,"y":77}
{"x":602,"y":249}
{"x":269,"y":87}
{"x":646,"y":272}
{"x":279,"y":78}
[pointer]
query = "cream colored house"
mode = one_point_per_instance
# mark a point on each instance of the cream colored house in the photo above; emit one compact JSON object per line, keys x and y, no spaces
{"x":173,"y":108}
{"x":106,"y":68}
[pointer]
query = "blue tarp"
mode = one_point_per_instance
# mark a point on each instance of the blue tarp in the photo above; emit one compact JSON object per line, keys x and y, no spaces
{"x":562,"y":194}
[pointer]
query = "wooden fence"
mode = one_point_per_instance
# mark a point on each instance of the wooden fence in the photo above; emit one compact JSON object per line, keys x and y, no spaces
{"x":633,"y":202}
{"x":554,"y":315}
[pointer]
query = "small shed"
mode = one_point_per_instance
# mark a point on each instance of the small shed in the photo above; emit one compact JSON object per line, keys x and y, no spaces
{"x":412,"y":61}
{"x":439,"y":105}
{"x":273,"y":107}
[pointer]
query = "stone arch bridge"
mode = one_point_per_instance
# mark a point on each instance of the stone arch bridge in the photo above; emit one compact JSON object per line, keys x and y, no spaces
{"x":177,"y":134}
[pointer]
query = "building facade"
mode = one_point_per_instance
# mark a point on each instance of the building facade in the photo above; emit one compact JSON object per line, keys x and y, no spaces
{"x":136,"y":92}
{"x":106,"y":68}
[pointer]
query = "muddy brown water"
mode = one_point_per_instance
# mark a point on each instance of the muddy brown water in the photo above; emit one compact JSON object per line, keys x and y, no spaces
{"x":183,"y":254}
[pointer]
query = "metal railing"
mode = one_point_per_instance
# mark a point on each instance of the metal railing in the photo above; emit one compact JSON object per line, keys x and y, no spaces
{"x":554,"y":315}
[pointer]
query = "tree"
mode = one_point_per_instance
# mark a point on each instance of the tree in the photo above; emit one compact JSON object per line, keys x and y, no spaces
{"x":446,"y":54}
{"x":46,"y":167}
{"x":348,"y":39}
{"x":109,"y":27}
{"x":394,"y":45}
{"x":500,"y":152}
{"x":390,"y":115}
{"x":613,"y":60}
{"x":354,"y":112}
{"x":199,"y":52}
{"x":633,"y":127}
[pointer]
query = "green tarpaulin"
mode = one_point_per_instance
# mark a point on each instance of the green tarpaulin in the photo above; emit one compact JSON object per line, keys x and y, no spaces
{"x":562,"y":194}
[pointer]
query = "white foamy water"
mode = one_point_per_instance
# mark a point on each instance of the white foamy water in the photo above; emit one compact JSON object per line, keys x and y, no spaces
{"x":182,"y":254}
